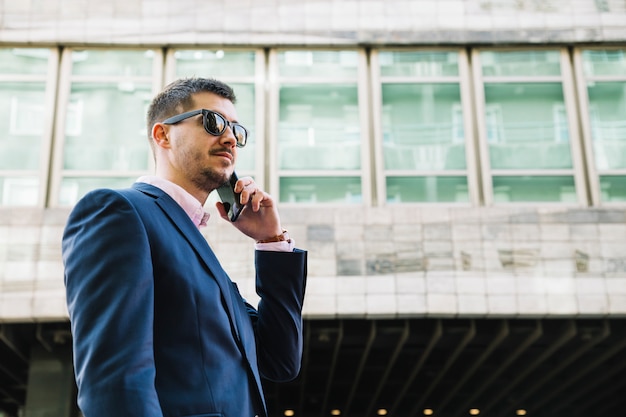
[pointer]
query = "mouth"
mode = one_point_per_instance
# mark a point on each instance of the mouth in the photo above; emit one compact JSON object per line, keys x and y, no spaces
{"x":223,"y":154}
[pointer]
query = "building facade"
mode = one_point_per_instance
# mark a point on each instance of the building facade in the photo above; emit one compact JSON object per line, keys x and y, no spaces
{"x":440,"y":160}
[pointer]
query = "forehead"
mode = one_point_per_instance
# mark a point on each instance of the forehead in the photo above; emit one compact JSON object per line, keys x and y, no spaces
{"x":212,"y":101}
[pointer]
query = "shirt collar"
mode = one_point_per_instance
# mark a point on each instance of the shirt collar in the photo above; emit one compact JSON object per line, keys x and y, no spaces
{"x":189,"y":204}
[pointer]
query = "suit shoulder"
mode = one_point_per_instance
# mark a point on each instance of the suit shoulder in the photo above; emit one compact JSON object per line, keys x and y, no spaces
{"x":100,"y":196}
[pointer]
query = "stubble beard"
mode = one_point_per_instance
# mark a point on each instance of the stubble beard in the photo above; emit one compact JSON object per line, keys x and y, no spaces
{"x":209,"y":179}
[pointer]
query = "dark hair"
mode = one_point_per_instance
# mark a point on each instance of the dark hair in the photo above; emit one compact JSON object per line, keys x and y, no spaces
{"x":176,"y":98}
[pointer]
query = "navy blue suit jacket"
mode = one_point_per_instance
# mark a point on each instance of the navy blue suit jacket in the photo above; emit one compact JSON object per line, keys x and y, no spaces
{"x":158,"y":327}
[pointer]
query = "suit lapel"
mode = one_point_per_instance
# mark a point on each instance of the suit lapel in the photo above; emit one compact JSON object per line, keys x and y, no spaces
{"x":191,"y":233}
{"x":195,"y":238}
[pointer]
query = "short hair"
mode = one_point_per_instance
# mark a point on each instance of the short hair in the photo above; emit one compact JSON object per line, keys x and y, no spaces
{"x":176,"y":98}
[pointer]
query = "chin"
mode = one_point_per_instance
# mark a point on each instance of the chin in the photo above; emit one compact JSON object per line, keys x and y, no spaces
{"x":228,"y":172}
{"x":213,"y":178}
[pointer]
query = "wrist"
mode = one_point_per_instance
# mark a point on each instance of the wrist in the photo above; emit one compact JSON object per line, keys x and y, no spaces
{"x":282,"y":237}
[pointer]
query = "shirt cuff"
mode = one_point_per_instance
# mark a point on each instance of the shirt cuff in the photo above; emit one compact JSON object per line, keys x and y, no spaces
{"x":284,"y":246}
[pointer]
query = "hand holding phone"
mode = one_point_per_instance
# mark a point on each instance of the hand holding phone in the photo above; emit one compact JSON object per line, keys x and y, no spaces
{"x":230,"y":198}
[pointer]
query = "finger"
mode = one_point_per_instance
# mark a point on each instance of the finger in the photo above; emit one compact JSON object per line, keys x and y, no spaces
{"x":257,"y":198}
{"x":247,"y":193}
{"x":243,"y":183}
{"x":262,"y":199}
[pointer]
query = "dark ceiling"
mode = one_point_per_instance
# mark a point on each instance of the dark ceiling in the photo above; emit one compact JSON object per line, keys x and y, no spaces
{"x":405,"y":367}
{"x":497,"y":367}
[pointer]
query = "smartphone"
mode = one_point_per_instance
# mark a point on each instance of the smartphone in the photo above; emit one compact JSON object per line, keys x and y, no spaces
{"x":230,"y":198}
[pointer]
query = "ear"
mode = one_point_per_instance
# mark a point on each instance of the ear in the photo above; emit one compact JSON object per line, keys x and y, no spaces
{"x":160,"y":135}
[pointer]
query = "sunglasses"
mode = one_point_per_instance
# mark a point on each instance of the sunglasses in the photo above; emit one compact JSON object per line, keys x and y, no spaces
{"x":214,"y":123}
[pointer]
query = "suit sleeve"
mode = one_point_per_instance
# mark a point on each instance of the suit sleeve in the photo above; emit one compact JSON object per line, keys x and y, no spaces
{"x":280,"y":284}
{"x":109,"y":288}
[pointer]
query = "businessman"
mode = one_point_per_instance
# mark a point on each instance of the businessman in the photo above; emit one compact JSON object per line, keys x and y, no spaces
{"x":159,"y":329}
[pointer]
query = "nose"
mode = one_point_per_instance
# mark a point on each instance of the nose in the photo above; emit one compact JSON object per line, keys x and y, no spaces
{"x":228,"y":137}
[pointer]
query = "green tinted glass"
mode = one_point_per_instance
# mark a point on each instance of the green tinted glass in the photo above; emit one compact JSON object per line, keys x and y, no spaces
{"x":427,"y":189}
{"x":24,"y":60}
{"x":319,"y":127}
{"x":520,"y":63}
{"x":423,"y":127}
{"x":613,"y":188}
{"x":112,"y":62}
{"x":607,"y":104}
{"x":320,"y":190}
{"x":604,"y":62}
{"x":327,"y":64}
{"x":214,"y":63}
{"x":421,"y":64}
{"x":534,"y":189}
{"x":22,"y":117}
{"x":527,"y":126}
{"x":105,"y":127}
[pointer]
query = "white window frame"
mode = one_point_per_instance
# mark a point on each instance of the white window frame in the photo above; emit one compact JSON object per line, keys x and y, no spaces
{"x":63,"y":106}
{"x":258,"y":81}
{"x":586,"y":111}
{"x":569,"y":100}
{"x":275,"y":82}
{"x":49,"y":79}
{"x":463,"y":80}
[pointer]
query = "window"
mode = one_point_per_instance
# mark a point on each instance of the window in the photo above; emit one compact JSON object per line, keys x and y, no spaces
{"x":102,"y":120}
{"x":422,"y":137}
{"x":529,"y":151}
{"x":603,"y":100}
{"x":27,"y":84}
{"x":240,"y":69}
{"x":320,"y":145}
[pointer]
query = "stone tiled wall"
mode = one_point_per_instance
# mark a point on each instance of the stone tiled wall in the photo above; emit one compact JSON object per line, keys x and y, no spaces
{"x":383,"y":262}
{"x":405,"y":261}
{"x":31,"y":271}
{"x":311,"y":22}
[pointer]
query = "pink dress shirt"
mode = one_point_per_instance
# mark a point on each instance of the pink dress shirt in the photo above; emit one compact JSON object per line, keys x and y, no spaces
{"x":196,"y":211}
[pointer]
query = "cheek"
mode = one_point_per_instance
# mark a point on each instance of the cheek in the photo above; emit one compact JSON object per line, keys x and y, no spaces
{"x":186,"y":149}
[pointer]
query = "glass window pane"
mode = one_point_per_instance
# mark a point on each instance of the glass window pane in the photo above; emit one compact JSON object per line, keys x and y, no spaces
{"x":105,"y":127}
{"x":24,"y":61}
{"x":246,"y":116}
{"x":427,"y":189}
{"x":607,"y":107}
{"x":214,"y":63}
{"x":613,"y":188}
{"x":72,"y":189}
{"x":423,"y":127}
{"x":534,"y":189}
{"x":19,"y":191}
{"x":320,"y":190}
{"x":327,"y":64}
{"x":22,"y":117}
{"x":126,"y":63}
{"x":419,"y":63}
{"x":520,"y":63}
{"x":604,"y":62}
{"x":527,"y":126}
{"x":319,"y":127}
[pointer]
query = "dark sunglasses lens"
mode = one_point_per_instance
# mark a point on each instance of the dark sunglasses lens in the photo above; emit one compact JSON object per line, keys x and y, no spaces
{"x":214,"y":123}
{"x":241,"y":134}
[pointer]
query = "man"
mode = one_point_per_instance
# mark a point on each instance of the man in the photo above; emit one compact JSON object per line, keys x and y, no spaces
{"x":158,"y":327}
